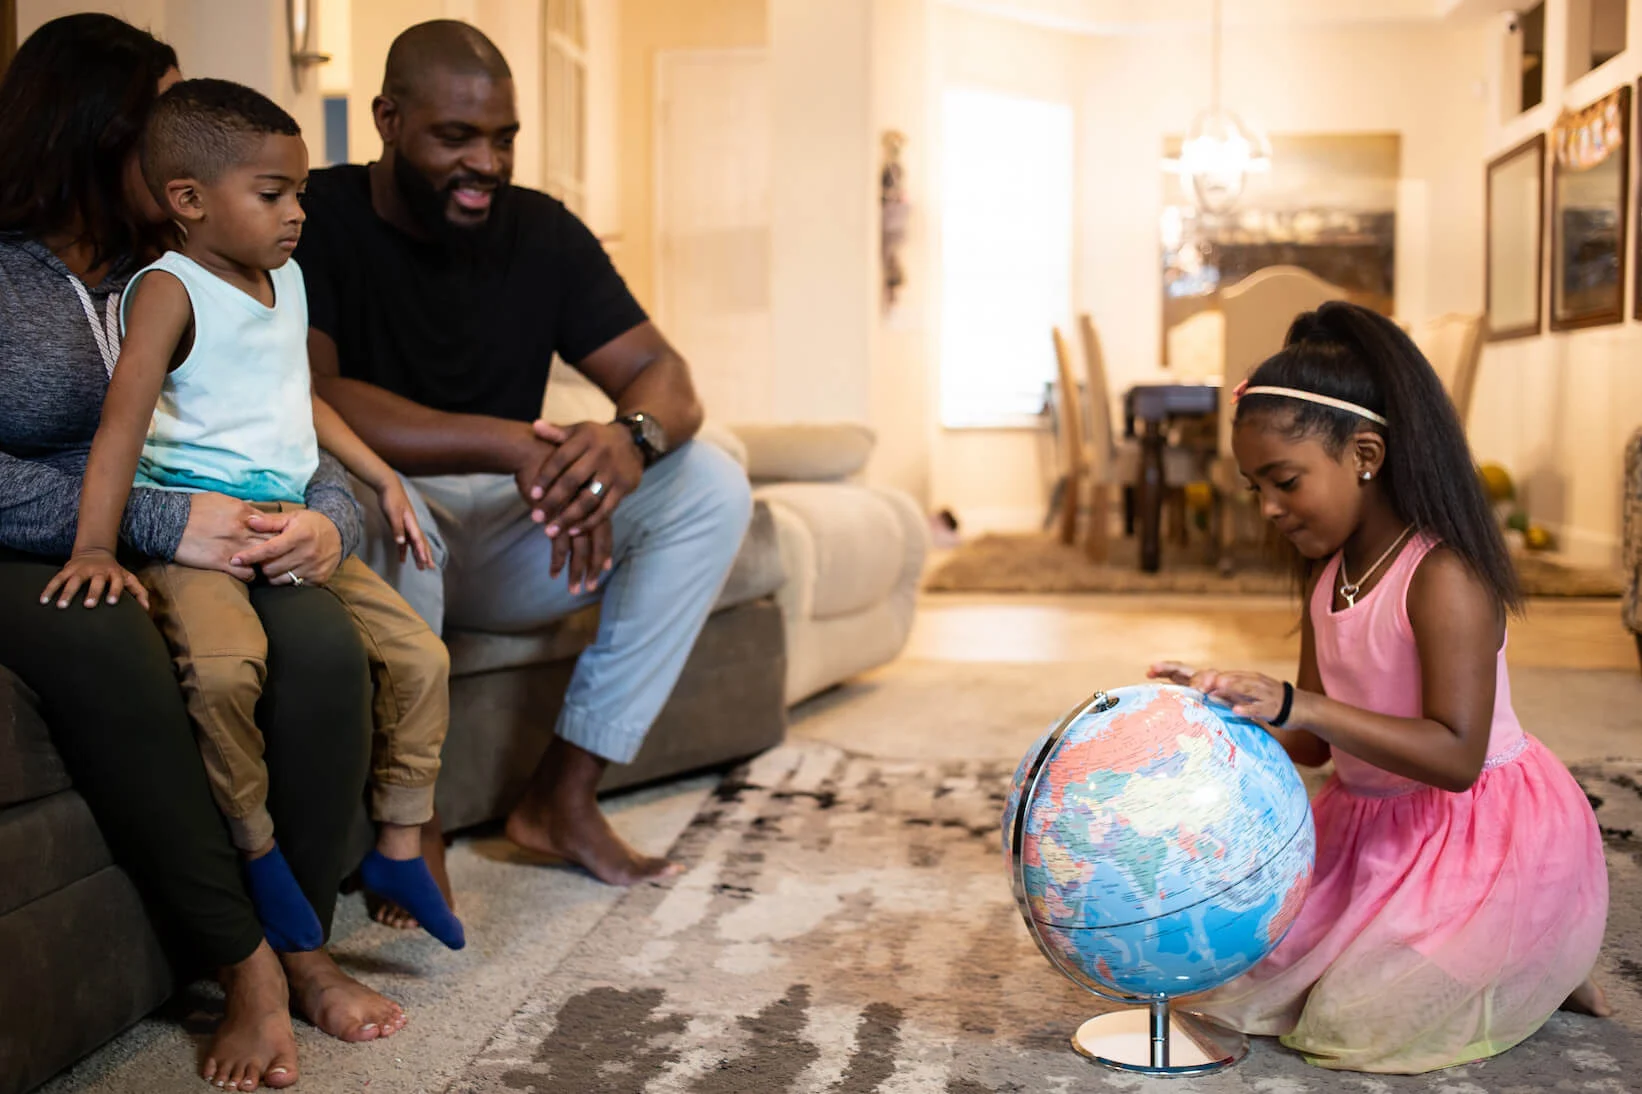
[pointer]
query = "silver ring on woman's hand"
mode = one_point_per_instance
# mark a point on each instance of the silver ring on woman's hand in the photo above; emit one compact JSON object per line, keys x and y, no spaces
{"x":295,"y":580}
{"x":595,"y":487}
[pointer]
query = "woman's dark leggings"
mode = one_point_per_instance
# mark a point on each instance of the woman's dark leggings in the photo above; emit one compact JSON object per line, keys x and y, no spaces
{"x":110,"y":698}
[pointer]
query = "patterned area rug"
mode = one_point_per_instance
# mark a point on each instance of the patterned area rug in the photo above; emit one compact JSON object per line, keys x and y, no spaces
{"x":1042,"y":564}
{"x":846,"y":927}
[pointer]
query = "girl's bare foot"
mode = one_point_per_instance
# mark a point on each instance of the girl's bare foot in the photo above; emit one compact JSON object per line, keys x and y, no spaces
{"x":336,"y":1002}
{"x":254,"y":1044}
{"x":389,"y":914}
{"x":1588,"y":998}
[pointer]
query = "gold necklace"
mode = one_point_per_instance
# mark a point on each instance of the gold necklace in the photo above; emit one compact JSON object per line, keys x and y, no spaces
{"x":1349,"y":588}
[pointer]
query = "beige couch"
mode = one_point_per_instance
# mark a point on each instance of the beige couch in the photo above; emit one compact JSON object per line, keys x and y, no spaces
{"x":852,"y":554}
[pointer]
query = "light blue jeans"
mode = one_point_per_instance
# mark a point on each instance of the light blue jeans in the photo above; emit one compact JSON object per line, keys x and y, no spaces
{"x":675,"y":538}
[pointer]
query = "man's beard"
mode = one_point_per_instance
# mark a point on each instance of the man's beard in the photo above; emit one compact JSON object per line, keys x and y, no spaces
{"x":429,"y":207}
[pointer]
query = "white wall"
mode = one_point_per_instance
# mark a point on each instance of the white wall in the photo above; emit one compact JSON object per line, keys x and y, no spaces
{"x":1425,"y":82}
{"x":1556,"y":410}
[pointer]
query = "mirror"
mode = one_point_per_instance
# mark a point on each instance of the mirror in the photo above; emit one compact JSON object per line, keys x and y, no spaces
{"x":1516,"y":240}
{"x":1589,"y":179}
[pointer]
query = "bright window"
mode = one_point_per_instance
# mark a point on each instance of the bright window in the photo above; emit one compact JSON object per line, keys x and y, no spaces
{"x":1006,"y":254}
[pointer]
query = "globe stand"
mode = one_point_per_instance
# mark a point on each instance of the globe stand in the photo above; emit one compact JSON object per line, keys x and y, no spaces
{"x":1159,"y":1041}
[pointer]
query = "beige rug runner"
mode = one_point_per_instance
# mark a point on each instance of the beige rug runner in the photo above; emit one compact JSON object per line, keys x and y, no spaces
{"x":1042,"y":564}
{"x":846,"y":928}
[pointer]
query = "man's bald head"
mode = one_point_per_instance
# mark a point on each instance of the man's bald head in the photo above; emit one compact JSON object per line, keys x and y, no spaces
{"x":440,"y":45}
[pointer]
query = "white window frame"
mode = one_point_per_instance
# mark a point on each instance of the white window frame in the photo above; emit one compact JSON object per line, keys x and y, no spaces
{"x":564,"y":103}
{"x":1006,"y":254}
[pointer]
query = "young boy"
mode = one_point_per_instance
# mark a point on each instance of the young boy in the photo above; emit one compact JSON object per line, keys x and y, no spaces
{"x":211,"y":393}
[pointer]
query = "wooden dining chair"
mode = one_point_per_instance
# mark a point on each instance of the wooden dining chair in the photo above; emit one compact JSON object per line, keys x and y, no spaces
{"x":1258,"y":311}
{"x":1102,"y":463}
{"x":1452,"y":343}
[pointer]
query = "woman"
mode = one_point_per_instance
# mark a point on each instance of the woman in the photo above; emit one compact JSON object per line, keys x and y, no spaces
{"x":75,"y":221}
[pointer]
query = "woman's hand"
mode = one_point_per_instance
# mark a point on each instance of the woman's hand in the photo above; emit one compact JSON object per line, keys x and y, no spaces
{"x":306,"y":547}
{"x":218,"y":529}
{"x":97,"y":570}
{"x":396,"y":506}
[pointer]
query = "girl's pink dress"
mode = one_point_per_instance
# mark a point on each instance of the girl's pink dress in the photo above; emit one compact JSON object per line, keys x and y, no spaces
{"x":1440,"y":927}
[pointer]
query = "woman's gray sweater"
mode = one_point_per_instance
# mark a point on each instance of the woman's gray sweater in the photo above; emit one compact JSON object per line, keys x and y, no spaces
{"x":52,"y":383}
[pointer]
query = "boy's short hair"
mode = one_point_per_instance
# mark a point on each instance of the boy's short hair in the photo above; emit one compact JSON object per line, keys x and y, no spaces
{"x":200,"y":128}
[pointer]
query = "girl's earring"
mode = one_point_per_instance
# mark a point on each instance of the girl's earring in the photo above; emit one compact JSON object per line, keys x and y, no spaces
{"x":1367,"y":475}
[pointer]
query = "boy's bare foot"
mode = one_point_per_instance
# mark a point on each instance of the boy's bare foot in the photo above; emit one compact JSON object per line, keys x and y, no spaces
{"x":1588,"y":998}
{"x":254,"y":1045}
{"x":389,"y":914}
{"x":583,"y":836}
{"x":336,"y":1002}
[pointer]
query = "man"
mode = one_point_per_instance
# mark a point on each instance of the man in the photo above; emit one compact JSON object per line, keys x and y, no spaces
{"x":438,"y":295}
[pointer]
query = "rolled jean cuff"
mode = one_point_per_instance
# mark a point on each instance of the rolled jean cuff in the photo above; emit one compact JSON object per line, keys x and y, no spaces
{"x":252,"y":832}
{"x":582,"y":728}
{"x":408,"y":805}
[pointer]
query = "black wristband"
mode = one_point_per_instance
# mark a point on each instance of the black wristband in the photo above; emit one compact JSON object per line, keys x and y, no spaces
{"x":1288,"y":703}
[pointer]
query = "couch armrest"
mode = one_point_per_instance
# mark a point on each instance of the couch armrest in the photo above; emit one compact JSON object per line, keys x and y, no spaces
{"x":805,"y":451}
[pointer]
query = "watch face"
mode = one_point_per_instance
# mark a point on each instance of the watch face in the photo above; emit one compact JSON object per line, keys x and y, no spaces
{"x":653,"y":434}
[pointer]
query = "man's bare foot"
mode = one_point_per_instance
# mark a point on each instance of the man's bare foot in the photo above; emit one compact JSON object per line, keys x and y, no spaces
{"x":336,"y":1002}
{"x":389,"y":914}
{"x":1588,"y":998}
{"x":254,"y":1044}
{"x":559,"y":816}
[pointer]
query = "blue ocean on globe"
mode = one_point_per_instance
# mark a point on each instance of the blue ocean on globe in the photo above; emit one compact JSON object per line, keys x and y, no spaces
{"x":1168,"y":845}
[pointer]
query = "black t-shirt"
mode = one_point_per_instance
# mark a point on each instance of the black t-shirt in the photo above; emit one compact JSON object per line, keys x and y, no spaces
{"x":467,"y":329}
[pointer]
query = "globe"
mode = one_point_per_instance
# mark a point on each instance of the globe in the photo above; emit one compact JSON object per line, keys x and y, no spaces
{"x":1165,"y":846}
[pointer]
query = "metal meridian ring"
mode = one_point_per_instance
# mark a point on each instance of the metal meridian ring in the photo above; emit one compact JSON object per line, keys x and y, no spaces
{"x":295,"y":580}
{"x":595,"y":487}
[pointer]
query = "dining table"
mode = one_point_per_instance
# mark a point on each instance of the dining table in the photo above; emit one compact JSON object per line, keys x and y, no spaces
{"x":1148,"y":410}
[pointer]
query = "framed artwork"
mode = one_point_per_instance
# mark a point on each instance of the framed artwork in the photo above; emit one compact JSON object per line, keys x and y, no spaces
{"x":1516,"y":241}
{"x":1590,"y":199}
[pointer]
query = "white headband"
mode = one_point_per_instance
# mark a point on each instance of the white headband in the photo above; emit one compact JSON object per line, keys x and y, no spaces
{"x":1311,"y":397}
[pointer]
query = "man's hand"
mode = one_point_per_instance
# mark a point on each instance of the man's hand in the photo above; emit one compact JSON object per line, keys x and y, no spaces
{"x":588,"y":554}
{"x":594,"y":466}
{"x":306,"y":547}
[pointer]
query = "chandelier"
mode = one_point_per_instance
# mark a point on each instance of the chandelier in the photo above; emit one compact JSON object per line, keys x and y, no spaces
{"x":1220,"y":151}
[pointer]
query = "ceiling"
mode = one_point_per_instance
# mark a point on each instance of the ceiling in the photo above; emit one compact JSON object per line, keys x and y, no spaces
{"x":1112,"y":17}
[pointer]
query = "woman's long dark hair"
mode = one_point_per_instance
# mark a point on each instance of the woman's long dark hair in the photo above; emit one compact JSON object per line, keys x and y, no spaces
{"x":72,"y":108}
{"x":1357,"y":355}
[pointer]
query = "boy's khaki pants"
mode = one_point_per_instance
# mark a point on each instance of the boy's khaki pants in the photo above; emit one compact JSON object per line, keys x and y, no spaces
{"x":221,"y":655}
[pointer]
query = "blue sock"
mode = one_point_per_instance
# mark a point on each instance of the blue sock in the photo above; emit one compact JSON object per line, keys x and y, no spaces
{"x":409,"y":884}
{"x":287,"y":918}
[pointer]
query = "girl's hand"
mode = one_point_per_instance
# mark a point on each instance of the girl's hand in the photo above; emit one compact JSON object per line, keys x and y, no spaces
{"x":97,"y":570}
{"x":1249,"y":694}
{"x":1172,"y":671}
{"x":396,"y":506}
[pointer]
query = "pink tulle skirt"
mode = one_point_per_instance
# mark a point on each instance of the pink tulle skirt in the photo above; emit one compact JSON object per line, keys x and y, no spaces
{"x":1440,"y":928}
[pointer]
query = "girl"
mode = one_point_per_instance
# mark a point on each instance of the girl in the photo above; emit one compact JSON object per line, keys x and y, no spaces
{"x":1460,"y":891}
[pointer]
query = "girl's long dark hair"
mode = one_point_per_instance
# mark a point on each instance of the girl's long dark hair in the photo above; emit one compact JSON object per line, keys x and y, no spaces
{"x":1357,"y":355}
{"x":72,"y":108}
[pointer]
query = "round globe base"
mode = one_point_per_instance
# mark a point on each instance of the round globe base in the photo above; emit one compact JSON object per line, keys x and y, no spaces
{"x":1159,"y":1042}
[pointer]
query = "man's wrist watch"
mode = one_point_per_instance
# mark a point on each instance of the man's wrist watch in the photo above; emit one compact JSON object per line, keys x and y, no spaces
{"x":648,"y":435}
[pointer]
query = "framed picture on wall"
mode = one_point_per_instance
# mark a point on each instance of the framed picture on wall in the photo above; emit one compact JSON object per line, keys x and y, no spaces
{"x":1590,"y":200}
{"x":1516,"y":240}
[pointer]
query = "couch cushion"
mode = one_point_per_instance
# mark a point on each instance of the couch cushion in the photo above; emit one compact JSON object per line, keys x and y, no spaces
{"x":45,"y":846}
{"x":29,"y":765}
{"x":805,"y":451}
{"x":859,"y":540}
{"x":757,"y":573}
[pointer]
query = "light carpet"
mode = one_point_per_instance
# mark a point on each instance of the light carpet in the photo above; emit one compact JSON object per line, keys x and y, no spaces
{"x":1042,"y":564}
{"x":846,"y":927}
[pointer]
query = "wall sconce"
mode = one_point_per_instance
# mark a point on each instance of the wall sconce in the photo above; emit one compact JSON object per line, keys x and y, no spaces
{"x":300,"y":23}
